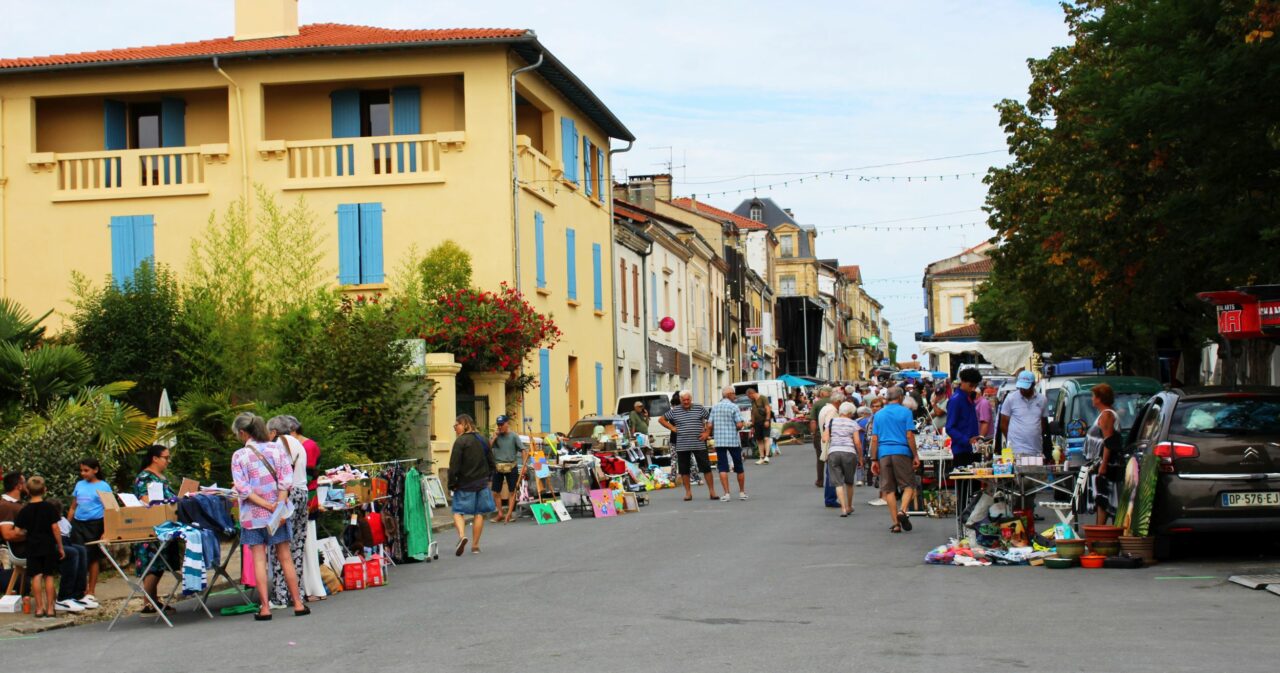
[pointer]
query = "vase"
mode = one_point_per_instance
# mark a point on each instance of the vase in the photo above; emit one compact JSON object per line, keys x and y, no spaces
{"x":1141,"y":547}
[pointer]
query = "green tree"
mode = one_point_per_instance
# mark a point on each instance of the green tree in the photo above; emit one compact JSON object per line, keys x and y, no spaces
{"x":132,"y":331}
{"x":1145,"y":167}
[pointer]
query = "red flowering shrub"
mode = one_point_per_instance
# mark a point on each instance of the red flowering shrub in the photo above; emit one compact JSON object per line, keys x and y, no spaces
{"x":487,"y":331}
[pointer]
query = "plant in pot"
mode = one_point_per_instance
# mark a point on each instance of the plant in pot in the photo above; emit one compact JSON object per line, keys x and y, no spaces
{"x":1138,"y":499}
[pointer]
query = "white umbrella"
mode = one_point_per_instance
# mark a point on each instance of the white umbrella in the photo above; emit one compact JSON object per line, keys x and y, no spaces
{"x":165,"y":411}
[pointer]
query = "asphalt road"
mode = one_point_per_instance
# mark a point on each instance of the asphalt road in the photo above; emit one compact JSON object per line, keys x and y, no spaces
{"x":776,"y":583}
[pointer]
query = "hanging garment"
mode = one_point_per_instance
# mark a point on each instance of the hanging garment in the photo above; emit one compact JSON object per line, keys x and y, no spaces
{"x":311,"y":578}
{"x":248,"y":576}
{"x":193,"y":561}
{"x":417,"y":539}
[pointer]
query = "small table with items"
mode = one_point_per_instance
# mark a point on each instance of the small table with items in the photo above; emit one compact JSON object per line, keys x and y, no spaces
{"x":999,"y":482}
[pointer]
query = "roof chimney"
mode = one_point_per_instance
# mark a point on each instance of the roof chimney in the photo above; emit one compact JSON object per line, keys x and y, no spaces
{"x":662,"y":186}
{"x":262,"y":19}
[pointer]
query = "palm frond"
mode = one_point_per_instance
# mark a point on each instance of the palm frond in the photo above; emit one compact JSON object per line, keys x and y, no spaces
{"x":17,"y":327}
{"x":1145,"y":499}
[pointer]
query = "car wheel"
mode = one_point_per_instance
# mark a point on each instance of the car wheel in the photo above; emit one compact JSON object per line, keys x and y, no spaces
{"x":1163,"y":547}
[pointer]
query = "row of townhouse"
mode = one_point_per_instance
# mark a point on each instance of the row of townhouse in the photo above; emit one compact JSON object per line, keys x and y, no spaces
{"x":401,"y":139}
{"x":746,"y":295}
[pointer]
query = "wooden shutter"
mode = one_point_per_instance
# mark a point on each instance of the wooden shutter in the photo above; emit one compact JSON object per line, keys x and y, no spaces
{"x":544,"y":388}
{"x":348,"y":244}
{"x":587,"y":179}
{"x":622,"y":287}
{"x":121,"y":249}
{"x":144,"y":240}
{"x":571,"y":262}
{"x":597,"y":280}
{"x":371,"y":243}
{"x":569,"y":148}
{"x":601,"y":173}
{"x":635,"y":294}
{"x":406,"y":120}
{"x":115,"y":134}
{"x":540,"y":250}
{"x":173,"y":133}
{"x":345,"y":120}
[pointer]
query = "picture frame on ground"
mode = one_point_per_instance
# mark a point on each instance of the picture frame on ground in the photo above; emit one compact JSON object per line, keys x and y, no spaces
{"x":544,"y":513}
{"x":561,"y":510}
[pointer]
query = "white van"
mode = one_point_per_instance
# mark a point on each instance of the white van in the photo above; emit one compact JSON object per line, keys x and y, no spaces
{"x":657,"y":402}
{"x":773,"y":389}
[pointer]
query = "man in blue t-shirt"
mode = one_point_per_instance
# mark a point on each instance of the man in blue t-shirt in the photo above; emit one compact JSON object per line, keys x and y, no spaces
{"x":894,"y":457}
{"x":962,"y":418}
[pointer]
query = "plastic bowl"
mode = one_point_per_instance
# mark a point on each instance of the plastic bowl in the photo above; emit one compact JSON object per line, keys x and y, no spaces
{"x":1059,"y":563}
{"x":1092,"y":561}
{"x":1104,"y":547}
{"x":1070,"y":548}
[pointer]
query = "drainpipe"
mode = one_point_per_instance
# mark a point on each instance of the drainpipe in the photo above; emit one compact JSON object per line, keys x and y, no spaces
{"x":244,"y":145}
{"x":4,"y":231}
{"x":614,"y":244}
{"x":515,"y":204}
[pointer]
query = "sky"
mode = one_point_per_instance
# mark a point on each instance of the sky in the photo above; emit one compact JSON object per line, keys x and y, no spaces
{"x":725,"y":93}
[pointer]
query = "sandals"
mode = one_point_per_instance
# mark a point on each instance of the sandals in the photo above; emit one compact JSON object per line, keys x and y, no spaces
{"x":303,"y":612}
{"x":462,"y":546}
{"x":843,"y":514}
{"x":475,"y":550}
{"x":905,"y":521}
{"x":895,"y":529}
{"x":687,"y":498}
{"x":262,"y":617}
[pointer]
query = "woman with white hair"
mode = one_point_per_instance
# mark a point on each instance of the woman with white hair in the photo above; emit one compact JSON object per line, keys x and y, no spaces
{"x":280,"y":430}
{"x":844,"y":455}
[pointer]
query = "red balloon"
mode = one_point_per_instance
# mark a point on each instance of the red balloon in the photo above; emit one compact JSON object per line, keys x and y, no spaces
{"x":667,"y":324}
{"x":915,"y":357}
{"x":755,"y":365}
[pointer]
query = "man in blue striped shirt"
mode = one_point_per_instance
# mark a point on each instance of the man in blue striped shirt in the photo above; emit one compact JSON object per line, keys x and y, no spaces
{"x":688,"y":423}
{"x":726,"y":423}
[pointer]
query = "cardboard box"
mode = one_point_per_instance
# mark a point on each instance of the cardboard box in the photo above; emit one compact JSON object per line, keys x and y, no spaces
{"x":132,"y":523}
{"x":362,"y":488}
{"x":10,"y":604}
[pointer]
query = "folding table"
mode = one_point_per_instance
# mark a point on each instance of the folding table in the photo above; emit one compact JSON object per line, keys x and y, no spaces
{"x":135,"y":583}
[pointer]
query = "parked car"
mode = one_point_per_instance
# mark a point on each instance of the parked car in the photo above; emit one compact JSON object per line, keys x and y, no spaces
{"x":658,"y":403}
{"x":774,"y":389}
{"x":1219,"y":453}
{"x":1051,"y":388}
{"x":1074,"y":412}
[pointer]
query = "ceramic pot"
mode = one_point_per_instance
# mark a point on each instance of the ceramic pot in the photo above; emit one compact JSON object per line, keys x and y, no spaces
{"x":1142,"y":547}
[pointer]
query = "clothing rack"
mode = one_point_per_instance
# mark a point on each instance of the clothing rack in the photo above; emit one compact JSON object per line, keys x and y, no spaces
{"x":401,"y":461}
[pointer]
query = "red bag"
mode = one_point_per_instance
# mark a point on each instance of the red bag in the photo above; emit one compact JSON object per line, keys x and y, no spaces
{"x":373,"y":571}
{"x":353,"y":576}
{"x":377,"y":532}
{"x":611,"y":464}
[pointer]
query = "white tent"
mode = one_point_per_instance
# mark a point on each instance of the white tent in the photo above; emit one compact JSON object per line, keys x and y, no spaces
{"x":1007,"y":356}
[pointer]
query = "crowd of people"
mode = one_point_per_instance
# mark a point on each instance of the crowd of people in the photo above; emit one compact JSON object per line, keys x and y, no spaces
{"x":59,"y":549}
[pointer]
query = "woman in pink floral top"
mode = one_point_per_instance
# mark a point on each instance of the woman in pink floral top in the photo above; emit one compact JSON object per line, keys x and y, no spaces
{"x":263,"y":474}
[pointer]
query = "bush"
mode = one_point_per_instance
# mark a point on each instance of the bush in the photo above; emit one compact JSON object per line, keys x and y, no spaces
{"x":355,"y":362}
{"x":131,"y":332}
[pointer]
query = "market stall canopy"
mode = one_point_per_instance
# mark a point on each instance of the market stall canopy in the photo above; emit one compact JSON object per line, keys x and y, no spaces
{"x":796,"y":381}
{"x":1007,"y":356}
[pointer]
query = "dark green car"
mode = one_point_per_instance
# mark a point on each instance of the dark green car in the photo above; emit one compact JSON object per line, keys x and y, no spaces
{"x":1074,"y":411}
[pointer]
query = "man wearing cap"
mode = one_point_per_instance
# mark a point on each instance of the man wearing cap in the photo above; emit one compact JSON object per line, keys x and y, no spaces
{"x":508,"y":454}
{"x":1024,"y":418}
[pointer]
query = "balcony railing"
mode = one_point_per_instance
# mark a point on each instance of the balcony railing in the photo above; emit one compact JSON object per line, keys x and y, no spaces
{"x":352,"y":162}
{"x":125,"y":174}
{"x":537,"y":172}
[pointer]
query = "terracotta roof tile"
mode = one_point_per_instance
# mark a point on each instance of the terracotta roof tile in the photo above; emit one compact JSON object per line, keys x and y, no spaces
{"x":627,"y":212}
{"x":852,"y":272}
{"x":313,"y":36}
{"x":742,"y":223}
{"x":980,"y":266}
{"x":970,"y":330}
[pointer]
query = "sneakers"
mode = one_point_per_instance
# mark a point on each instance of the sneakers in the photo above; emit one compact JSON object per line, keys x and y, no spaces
{"x":89,"y":602}
{"x":762,"y":461}
{"x":857,"y":483}
{"x":724,"y":498}
{"x":766,"y":461}
{"x":742,"y":495}
{"x":68,"y":605}
{"x":878,"y":502}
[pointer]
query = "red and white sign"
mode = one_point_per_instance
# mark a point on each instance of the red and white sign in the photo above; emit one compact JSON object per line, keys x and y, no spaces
{"x":755,"y":331}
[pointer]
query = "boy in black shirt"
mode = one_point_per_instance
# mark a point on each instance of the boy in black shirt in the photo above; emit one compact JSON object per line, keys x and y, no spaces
{"x":39,"y":520}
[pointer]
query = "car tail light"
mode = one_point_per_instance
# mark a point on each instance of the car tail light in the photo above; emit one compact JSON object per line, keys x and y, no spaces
{"x":1168,"y":452}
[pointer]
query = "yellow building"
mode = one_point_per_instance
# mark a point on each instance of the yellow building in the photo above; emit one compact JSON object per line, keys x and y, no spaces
{"x":394,"y":137}
{"x":950,"y":286}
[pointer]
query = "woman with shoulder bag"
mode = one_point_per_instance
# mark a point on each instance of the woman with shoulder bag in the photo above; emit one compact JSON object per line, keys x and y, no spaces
{"x":471,"y":467}
{"x":280,"y":431}
{"x":263,"y":476}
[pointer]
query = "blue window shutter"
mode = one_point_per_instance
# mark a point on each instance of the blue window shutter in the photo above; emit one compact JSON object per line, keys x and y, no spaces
{"x":596,"y":276}
{"x":544,"y":388}
{"x":569,"y":148}
{"x":599,"y":389}
{"x":144,"y":240}
{"x":345,"y":113}
{"x":602,"y":173}
{"x":121,"y":249}
{"x":571,"y":262}
{"x":540,"y":249}
{"x":406,"y":120}
{"x":115,"y":125}
{"x":173,"y":122}
{"x":586,"y":165}
{"x":348,"y":244}
{"x":371,"y":243}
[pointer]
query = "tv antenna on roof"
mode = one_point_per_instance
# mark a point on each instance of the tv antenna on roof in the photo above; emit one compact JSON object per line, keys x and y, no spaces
{"x":670,"y":162}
